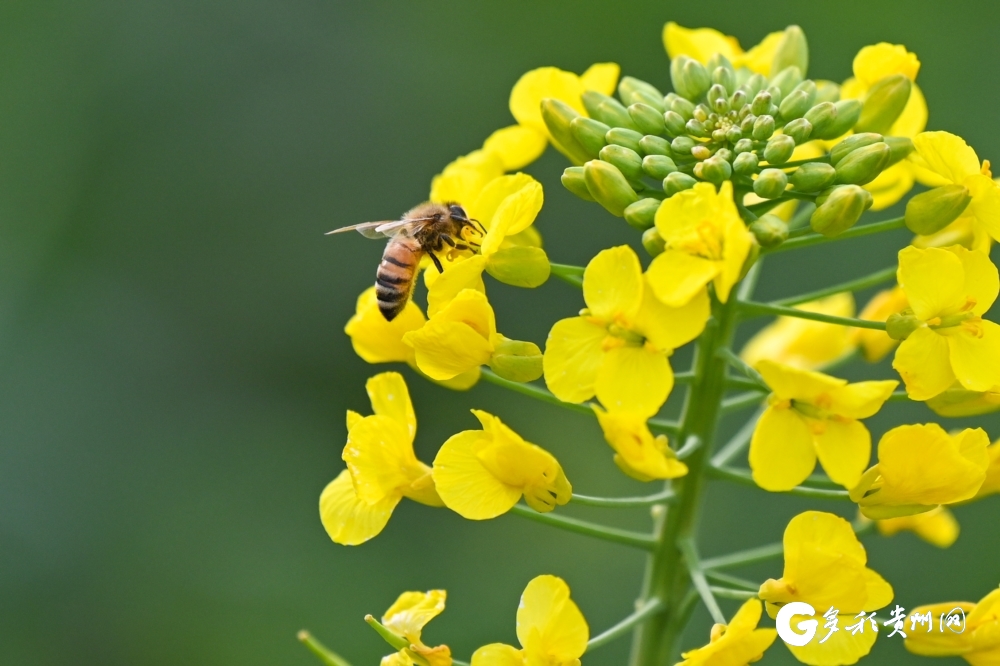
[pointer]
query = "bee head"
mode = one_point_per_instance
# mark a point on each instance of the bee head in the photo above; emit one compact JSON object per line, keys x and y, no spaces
{"x":458,"y":213}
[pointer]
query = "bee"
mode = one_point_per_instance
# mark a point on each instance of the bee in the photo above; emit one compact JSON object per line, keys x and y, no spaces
{"x":429,"y":228}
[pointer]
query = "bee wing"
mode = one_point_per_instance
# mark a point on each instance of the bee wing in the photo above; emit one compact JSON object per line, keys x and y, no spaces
{"x":382,"y":228}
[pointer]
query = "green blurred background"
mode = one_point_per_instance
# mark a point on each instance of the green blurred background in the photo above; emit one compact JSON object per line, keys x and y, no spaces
{"x":174,"y":369}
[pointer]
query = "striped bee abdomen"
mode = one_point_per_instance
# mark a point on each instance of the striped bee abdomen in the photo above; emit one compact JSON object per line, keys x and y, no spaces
{"x":394,"y":278}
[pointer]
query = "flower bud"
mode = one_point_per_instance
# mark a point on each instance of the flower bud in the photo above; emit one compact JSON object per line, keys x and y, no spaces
{"x":763,"y":128}
{"x":572,"y":179}
{"x":715,"y":170}
{"x":785,"y":81}
{"x":799,"y":129}
{"x":682,"y":107}
{"x":647,"y":119}
{"x":674,"y":123}
{"x":743,"y":146}
{"x":900,"y":325}
{"x":770,"y":184}
{"x":642,"y":213}
{"x":689,"y":77}
{"x":718,"y":60}
{"x":885,"y":101}
{"x":701,"y":113}
{"x":724,"y":154}
{"x":520,"y":266}
{"x":715,"y":93}
{"x":822,"y":117}
{"x":682,"y":145}
{"x":899,"y":148}
{"x":779,"y":149}
{"x":658,"y":166}
{"x":851,"y":143}
{"x":737,"y":100}
{"x":607,"y":109}
{"x":608,"y":186}
{"x":517,"y":361}
{"x":761,"y":103}
{"x":620,"y":136}
{"x":754,"y":85}
{"x":746,"y":125}
{"x":839,"y":208}
{"x":701,"y":152}
{"x":795,"y":105}
{"x":776,"y":97}
{"x":826,"y":91}
{"x":676,"y":182}
{"x":590,"y":133}
{"x":863,"y":165}
{"x":633,"y":91}
{"x":724,"y":77}
{"x":792,"y":51}
{"x":848,"y":112}
{"x":653,"y":242}
{"x":557,"y":116}
{"x":933,"y":210}
{"x":654,"y":145}
{"x":625,"y":159}
{"x":813,"y":177}
{"x":769,"y":230}
{"x":694,"y":127}
{"x":745,"y":164}
{"x":733,"y":134}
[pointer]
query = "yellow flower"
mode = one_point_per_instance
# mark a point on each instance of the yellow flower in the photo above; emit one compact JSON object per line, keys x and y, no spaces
{"x":920,"y":467}
{"x":949,"y":290}
{"x":876,"y":344}
{"x":991,"y":485}
{"x":702,"y":43}
{"x":735,"y":644}
{"x":962,"y":231}
{"x":463,"y":179}
{"x":956,"y":401}
{"x":812,"y":415}
{"x":825,"y":567}
{"x":458,"y":338}
{"x":381,"y":466}
{"x":706,"y":242}
{"x":617,"y":348}
{"x":978,"y":641}
{"x":550,"y":628}
{"x":937,"y":527}
{"x":407,"y":618}
{"x":481,"y":474}
{"x":802,"y":343}
{"x":637,"y":452}
{"x":942,"y":158}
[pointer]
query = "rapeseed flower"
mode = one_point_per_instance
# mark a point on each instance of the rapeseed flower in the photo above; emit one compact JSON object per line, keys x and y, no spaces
{"x":637,"y":452}
{"x":702,"y":43}
{"x":937,"y":527}
{"x":481,"y":474}
{"x":948,"y":290}
{"x":738,"y":643}
{"x":617,"y":348}
{"x":875,"y":344}
{"x":957,"y":401}
{"x":804,"y":343}
{"x":406,"y":618}
{"x":978,"y":641}
{"x":811,"y":415}
{"x":920,"y":467}
{"x":381,"y":466}
{"x":991,"y":485}
{"x":550,"y":628}
{"x":458,"y":338}
{"x":706,"y":241}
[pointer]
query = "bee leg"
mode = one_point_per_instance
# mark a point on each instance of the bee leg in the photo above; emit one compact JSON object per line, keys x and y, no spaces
{"x":437,"y":262}
{"x":450,"y":241}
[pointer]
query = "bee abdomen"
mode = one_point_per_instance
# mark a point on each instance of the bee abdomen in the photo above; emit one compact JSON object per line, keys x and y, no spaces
{"x":394,"y":278}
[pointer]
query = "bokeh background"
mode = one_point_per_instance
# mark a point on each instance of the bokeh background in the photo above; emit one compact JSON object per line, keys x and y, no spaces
{"x":174,"y":371}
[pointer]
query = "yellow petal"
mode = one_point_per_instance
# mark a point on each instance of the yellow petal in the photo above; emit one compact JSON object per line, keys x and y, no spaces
{"x":465,"y":486}
{"x":379,"y":454}
{"x":612,"y":283}
{"x":843,"y":647}
{"x":573,"y":356}
{"x":937,"y":527}
{"x":947,"y":155}
{"x":861,"y":399}
{"x":876,"y":344}
{"x":790,"y":383}
{"x":349,"y":520}
{"x":514,"y":214}
{"x":352,"y":418}
{"x":992,"y":483}
{"x":913,"y":119}
{"x":457,"y":339}
{"x":629,"y":436}
{"x":666,"y":328}
{"x":538,"y":84}
{"x":549,"y":624}
{"x":601,"y":77}
{"x":975,"y":355}
{"x":759,"y":58}
{"x":985,"y":205}
{"x":802,"y":343}
{"x":390,"y":397}
{"x":634,"y":379}
{"x":458,"y":276}
{"x":460,"y":382}
{"x":698,"y":43}
{"x":982,"y":282}
{"x":516,"y":146}
{"x":891,"y":185}
{"x":411,"y":612}
{"x":736,"y":244}
{"x":933,"y":279}
{"x":496,"y":191}
{"x":781,"y":450}
{"x":497,"y":654}
{"x":676,"y":277}
{"x":379,"y":341}
{"x":844,"y":448}
{"x":464,"y":179}
{"x":873,"y":63}
{"x":924,"y":363}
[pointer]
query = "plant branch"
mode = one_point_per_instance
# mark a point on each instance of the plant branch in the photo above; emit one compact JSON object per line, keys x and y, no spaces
{"x":626,"y":537}
{"x":744,"y":557}
{"x":745,"y":384}
{"x":900,"y":396}
{"x":687,"y":547}
{"x":876,"y":278}
{"x":732,"y":581}
{"x":737,"y":443}
{"x":650,"y":607}
{"x":746,"y":478}
{"x":853,"y":232}
{"x":691,"y":444}
{"x":742,"y":366}
{"x":569,"y":274}
{"x":730,"y":593}
{"x":750,"y":309}
{"x":738,"y":402}
{"x":323,"y":653}
{"x":662,"y":497}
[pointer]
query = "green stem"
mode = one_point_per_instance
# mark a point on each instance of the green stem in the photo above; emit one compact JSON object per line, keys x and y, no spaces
{"x":651,"y":607}
{"x":567,"y":273}
{"x":687,"y":547}
{"x":692,"y":444}
{"x":745,"y":557}
{"x":900,"y":396}
{"x":730,"y":593}
{"x":853,"y":232}
{"x":746,"y":478}
{"x":323,"y":653}
{"x":750,"y":309}
{"x":662,"y":497}
{"x":738,"y":402}
{"x":626,"y":537}
{"x":731,"y":581}
{"x":876,"y":278}
{"x":739,"y":364}
{"x":740,"y":383}
{"x":737,"y":443}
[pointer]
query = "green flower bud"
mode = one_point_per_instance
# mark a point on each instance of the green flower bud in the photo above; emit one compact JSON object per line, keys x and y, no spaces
{"x":682,"y":145}
{"x":689,"y":77}
{"x":779,"y":149}
{"x":701,"y":113}
{"x":935,"y":209}
{"x":619,"y":136}
{"x":724,"y":154}
{"x":754,"y":85}
{"x":647,"y":119}
{"x":822,"y":116}
{"x":642,"y":213}
{"x":776,"y":97}
{"x":626,"y":159}
{"x":608,"y":186}
{"x":826,"y":91}
{"x":572,"y":179}
{"x":743,"y":146}
{"x":761,"y":103}
{"x":715,"y":93}
{"x":718,"y":60}
{"x":799,"y":129}
{"x":633,"y":91}
{"x":795,"y":105}
{"x":517,"y":361}
{"x":695,"y":127}
{"x":863,"y":165}
{"x":682,"y":107}
{"x":519,"y":265}
{"x":701,"y":152}
{"x":763,"y":128}
{"x":885,"y":101}
{"x":654,"y":145}
{"x":724,"y":77}
{"x":900,"y":325}
{"x":653,"y":242}
{"x":813,"y":177}
{"x":658,"y":166}
{"x":737,"y":100}
{"x":733,"y":134}
{"x":792,"y":51}
{"x":746,"y":125}
{"x":770,"y":184}
{"x":769,"y":230}
{"x":852,"y":143}
{"x":785,"y":81}
{"x":557,"y":116}
{"x":607,"y":109}
{"x":715,"y":170}
{"x":839,"y":208}
{"x":590,"y":133}
{"x":848,"y":112}
{"x":899,"y":148}
{"x":745,"y":164}
{"x":676,"y":182}
{"x":674,"y":123}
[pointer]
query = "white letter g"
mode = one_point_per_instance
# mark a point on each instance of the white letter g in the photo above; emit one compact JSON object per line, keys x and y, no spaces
{"x":807,"y":627}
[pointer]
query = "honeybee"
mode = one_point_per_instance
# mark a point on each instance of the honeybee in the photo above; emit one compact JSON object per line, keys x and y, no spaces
{"x":425,"y":229}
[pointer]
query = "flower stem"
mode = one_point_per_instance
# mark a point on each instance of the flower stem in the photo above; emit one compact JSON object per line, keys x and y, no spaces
{"x":662,"y":497}
{"x":737,"y":443}
{"x":853,"y":232}
{"x":731,"y":581}
{"x":876,"y":278}
{"x":745,"y":477}
{"x":738,"y":402}
{"x":751,"y":309}
{"x":651,"y":607}
{"x":626,"y":537}
{"x":323,"y":653}
{"x":730,"y":593}
{"x":743,"y":557}
{"x":739,"y":364}
{"x":693,"y":564}
{"x":567,"y":273}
